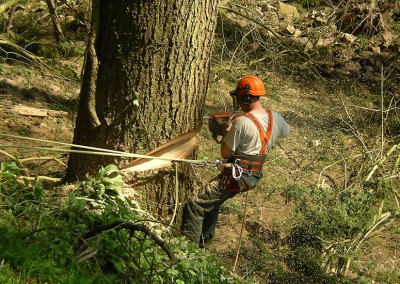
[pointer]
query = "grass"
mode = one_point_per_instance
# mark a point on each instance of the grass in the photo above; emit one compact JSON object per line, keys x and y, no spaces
{"x":312,"y":107}
{"x":232,"y":207}
{"x":24,"y":130}
{"x":287,"y":172}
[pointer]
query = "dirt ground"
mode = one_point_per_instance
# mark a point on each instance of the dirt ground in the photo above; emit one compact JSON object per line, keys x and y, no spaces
{"x":315,"y":110}
{"x":36,"y":105}
{"x":296,"y":161}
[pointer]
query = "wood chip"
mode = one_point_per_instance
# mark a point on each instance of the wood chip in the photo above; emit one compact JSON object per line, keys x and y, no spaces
{"x":178,"y":148}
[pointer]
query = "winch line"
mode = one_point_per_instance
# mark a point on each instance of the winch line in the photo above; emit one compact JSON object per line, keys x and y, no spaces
{"x":97,"y":151}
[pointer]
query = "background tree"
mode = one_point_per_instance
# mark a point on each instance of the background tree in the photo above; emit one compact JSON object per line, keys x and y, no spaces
{"x":145,"y":79}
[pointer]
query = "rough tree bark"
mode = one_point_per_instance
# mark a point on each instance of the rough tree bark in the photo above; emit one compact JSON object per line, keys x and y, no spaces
{"x":145,"y":81}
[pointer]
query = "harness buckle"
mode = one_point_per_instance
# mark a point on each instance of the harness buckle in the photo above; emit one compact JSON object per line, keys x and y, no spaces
{"x":242,"y":185}
{"x":223,"y":182}
{"x":250,"y":166}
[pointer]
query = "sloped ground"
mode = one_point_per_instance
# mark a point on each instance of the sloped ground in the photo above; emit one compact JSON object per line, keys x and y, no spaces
{"x":313,"y":107}
{"x":315,"y":111}
{"x":40,"y":106}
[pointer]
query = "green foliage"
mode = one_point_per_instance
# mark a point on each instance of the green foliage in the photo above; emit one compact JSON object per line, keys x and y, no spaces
{"x":24,"y":247}
{"x":293,"y":193}
{"x":70,"y":49}
{"x":105,"y":184}
{"x":391,"y":276}
{"x":41,"y":237}
{"x":306,"y":260}
{"x":329,"y":214}
{"x":231,"y":207}
{"x":32,"y":29}
{"x":334,"y":223}
{"x":19,"y":199}
{"x":23,"y":130}
{"x":328,"y":227}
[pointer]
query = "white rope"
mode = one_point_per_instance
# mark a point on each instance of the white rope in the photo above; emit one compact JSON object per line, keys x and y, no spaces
{"x":97,"y":151}
{"x":176,"y":195}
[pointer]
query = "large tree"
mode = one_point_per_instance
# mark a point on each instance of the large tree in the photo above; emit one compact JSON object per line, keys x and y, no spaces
{"x":145,"y":78}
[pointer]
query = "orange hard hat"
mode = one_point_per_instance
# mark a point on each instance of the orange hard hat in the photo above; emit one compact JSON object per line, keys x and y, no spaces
{"x":251,"y":85}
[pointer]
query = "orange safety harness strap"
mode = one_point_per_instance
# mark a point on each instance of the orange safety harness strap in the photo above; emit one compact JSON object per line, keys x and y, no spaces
{"x":264,"y":137}
{"x":250,"y":164}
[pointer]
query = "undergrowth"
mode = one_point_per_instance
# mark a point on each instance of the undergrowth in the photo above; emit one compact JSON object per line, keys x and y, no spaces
{"x":47,"y":238}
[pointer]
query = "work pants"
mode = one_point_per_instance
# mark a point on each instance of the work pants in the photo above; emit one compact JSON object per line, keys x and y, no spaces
{"x":200,"y":213}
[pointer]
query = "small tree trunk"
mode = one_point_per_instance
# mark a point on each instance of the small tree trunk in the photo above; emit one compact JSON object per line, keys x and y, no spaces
{"x":58,"y":34}
{"x":10,"y":18}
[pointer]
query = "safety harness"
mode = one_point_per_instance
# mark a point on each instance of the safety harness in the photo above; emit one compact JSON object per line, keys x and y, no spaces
{"x":243,"y":172}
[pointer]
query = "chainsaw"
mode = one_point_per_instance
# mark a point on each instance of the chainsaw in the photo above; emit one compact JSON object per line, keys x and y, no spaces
{"x":219,"y":124}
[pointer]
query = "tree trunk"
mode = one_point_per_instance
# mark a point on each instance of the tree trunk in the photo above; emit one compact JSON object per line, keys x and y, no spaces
{"x":58,"y":34}
{"x":145,"y":81}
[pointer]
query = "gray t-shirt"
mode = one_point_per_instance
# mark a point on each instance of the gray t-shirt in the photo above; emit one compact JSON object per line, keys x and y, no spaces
{"x":243,"y":137}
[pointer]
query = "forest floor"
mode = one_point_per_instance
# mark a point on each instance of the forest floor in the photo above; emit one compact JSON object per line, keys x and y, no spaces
{"x":315,"y":109}
{"x":325,"y":118}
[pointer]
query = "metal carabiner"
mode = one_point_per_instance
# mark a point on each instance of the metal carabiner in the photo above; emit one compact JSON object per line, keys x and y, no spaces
{"x":237,"y":170}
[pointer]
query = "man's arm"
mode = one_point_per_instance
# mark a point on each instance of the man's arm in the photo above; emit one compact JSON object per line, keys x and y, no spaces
{"x":284,"y":128}
{"x":226,"y":152}
{"x":231,"y":140}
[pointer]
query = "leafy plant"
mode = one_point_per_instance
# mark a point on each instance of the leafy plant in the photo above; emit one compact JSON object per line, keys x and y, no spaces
{"x":83,"y":238}
{"x":104,"y":185}
{"x":337,"y":223}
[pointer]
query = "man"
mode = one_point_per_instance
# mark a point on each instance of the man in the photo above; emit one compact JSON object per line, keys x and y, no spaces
{"x":248,"y":139}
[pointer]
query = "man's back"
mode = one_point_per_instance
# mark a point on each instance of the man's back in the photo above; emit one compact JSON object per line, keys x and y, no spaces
{"x":244,"y":139}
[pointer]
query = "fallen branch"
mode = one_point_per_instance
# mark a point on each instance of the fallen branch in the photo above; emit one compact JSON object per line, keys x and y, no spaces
{"x":10,"y":19}
{"x":31,"y":111}
{"x":20,"y":51}
{"x":15,"y":159}
{"x":7,"y":5}
{"x":43,"y":158}
{"x":54,"y":17}
{"x":131,"y":227}
{"x":382,"y":160}
{"x":7,"y":154}
{"x":46,"y":178}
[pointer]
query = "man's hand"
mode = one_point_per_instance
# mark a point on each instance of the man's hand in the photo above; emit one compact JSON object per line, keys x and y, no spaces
{"x":226,"y":127}
{"x":218,"y":128}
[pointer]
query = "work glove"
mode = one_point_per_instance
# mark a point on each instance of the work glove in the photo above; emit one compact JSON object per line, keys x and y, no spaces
{"x":218,"y":128}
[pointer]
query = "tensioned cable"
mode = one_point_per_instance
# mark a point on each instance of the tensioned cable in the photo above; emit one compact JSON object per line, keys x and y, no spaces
{"x":97,"y":151}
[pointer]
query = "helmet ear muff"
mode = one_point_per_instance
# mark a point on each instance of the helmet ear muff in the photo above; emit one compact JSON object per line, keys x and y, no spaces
{"x":246,"y":97}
